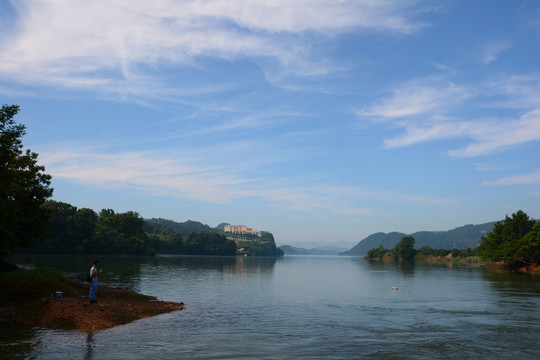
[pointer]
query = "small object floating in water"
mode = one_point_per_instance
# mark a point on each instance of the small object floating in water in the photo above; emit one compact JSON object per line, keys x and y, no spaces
{"x":394,"y":288}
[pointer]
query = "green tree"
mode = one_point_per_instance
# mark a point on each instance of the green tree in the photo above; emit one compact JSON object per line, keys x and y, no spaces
{"x":24,"y":188}
{"x":209,"y":243}
{"x":529,"y":246}
{"x":377,"y":253}
{"x":61,"y":228}
{"x":506,"y":242}
{"x":68,"y":228}
{"x":405,"y":248}
{"x":121,"y":233}
{"x":85,"y":222}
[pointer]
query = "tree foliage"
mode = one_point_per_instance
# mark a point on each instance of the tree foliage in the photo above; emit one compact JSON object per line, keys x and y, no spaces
{"x":264,"y":245}
{"x":514,"y":240}
{"x":170,"y":241}
{"x":530,"y":246}
{"x":209,"y":243}
{"x":456,"y":253}
{"x":405,"y":248}
{"x":24,"y":187}
{"x":378,"y":253}
{"x":83,"y":231}
{"x":155,"y":226}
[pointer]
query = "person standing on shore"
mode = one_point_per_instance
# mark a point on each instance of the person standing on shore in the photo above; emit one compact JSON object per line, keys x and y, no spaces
{"x":94,"y":273}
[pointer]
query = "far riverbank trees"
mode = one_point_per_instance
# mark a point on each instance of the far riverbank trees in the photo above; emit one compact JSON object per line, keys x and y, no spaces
{"x":404,"y":249}
{"x":515,"y":241}
{"x":83,"y":231}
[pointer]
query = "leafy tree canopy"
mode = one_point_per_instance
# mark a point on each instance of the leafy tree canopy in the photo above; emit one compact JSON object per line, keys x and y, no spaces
{"x":514,"y":240}
{"x":83,"y":231}
{"x":405,"y":248}
{"x":24,"y":188}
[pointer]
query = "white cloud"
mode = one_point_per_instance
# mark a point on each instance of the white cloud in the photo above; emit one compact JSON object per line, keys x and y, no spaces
{"x":492,"y":51}
{"x":497,"y":136}
{"x":429,"y":109}
{"x":192,"y":176}
{"x":112,"y":45}
{"x":418,"y":97}
{"x":527,"y":179}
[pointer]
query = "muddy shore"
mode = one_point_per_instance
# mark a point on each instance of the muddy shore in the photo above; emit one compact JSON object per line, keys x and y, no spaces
{"x":114,"y":307}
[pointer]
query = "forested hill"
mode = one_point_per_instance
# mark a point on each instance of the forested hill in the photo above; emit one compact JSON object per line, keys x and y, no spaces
{"x":203,"y":240}
{"x":463,"y":237}
{"x":184,"y":228}
{"x":83,"y":231}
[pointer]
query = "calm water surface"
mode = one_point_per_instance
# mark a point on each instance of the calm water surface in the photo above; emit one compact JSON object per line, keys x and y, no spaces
{"x":300,"y":307}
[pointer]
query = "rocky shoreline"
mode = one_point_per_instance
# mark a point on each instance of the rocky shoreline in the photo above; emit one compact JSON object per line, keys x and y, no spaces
{"x":114,"y":307}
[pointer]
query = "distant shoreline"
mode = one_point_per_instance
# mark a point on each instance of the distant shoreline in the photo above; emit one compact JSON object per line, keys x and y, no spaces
{"x":532,"y":269}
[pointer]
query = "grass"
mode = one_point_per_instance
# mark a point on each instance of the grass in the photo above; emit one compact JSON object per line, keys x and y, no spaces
{"x":28,"y":285}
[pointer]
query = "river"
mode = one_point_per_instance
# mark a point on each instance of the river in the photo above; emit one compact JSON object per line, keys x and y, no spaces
{"x":299,"y":307}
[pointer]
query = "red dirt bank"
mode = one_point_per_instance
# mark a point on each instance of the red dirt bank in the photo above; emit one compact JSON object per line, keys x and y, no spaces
{"x":114,"y":307}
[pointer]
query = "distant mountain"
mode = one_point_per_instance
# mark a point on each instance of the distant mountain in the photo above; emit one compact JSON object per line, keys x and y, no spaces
{"x":345,"y":245}
{"x":221,"y":227}
{"x":331,"y":249}
{"x":463,"y":237}
{"x":291,"y":250}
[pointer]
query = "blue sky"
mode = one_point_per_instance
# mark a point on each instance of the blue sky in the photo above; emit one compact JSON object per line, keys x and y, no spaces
{"x":314,"y":120}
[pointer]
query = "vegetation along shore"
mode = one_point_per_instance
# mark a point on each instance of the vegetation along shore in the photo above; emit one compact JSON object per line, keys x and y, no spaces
{"x":514,"y":244}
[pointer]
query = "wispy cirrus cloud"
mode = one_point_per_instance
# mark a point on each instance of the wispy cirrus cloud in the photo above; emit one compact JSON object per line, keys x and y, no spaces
{"x":191,"y":175}
{"x":431,"y":109}
{"x":493,"y":49}
{"x":112,"y":46}
{"x":526,"y":179}
{"x":418,"y":97}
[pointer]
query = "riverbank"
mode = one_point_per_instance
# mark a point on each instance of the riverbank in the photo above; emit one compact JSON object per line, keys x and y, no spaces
{"x":532,"y":269}
{"x":448,"y":260}
{"x":430,"y":259}
{"x":30,"y":298}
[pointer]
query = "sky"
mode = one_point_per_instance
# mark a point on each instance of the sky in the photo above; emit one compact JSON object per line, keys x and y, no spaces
{"x":316,"y":120}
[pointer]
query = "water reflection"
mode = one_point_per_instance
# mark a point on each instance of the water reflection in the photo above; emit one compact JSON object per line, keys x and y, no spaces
{"x":509,"y":284}
{"x":17,"y":341}
{"x":89,"y":355}
{"x":405,"y":268}
{"x":516,"y":302}
{"x":129,"y":272}
{"x":117,"y":271}
{"x":248,"y":267}
{"x":307,"y":307}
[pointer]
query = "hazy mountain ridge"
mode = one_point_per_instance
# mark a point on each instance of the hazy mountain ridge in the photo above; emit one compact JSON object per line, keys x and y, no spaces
{"x":325,"y":250}
{"x":463,"y":237}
